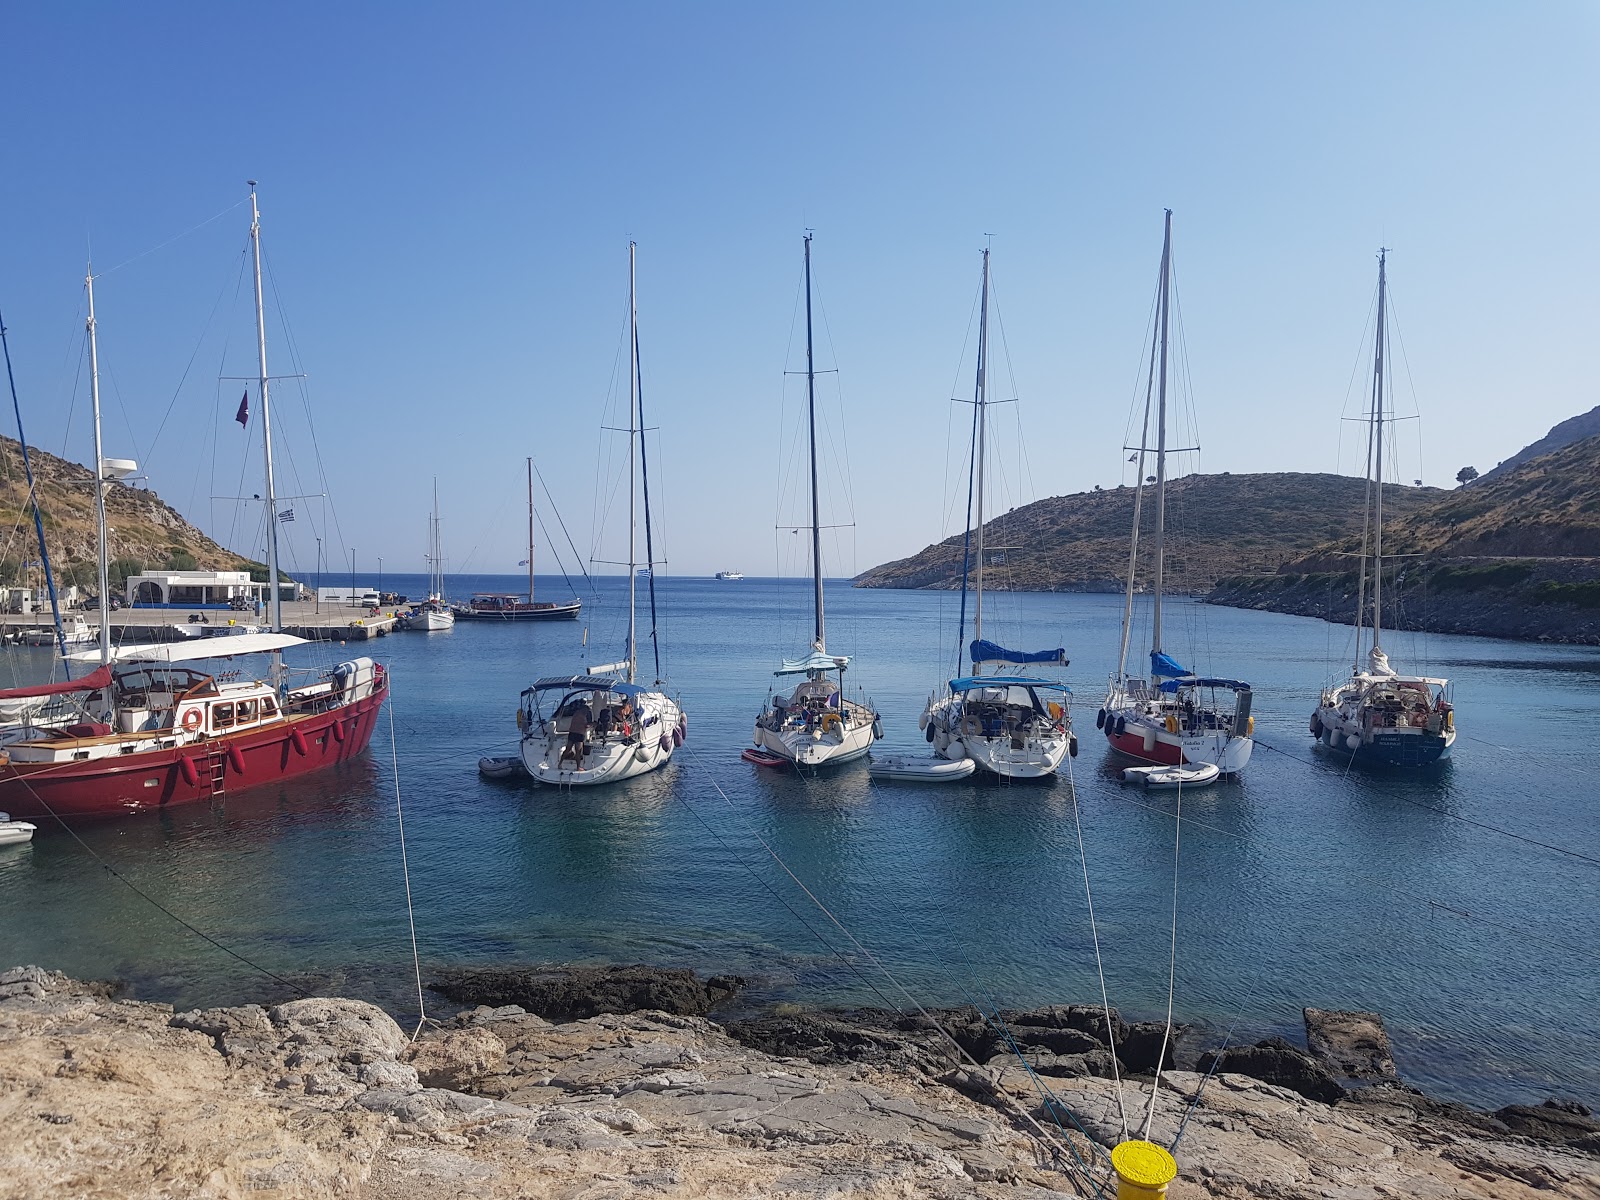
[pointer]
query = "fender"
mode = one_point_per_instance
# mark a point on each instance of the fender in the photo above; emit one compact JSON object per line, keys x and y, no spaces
{"x":297,"y":740}
{"x":186,"y":768}
{"x":235,"y":758}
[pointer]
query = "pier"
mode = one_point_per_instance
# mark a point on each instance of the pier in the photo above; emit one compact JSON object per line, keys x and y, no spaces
{"x":324,"y":622}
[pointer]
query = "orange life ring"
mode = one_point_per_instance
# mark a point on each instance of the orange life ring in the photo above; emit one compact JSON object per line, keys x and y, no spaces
{"x":192,"y":720}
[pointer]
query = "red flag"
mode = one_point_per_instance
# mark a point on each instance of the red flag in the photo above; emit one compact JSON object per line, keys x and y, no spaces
{"x":243,"y":415}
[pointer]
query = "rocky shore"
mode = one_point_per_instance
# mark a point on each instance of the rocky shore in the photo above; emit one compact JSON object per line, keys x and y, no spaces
{"x":102,"y":1096}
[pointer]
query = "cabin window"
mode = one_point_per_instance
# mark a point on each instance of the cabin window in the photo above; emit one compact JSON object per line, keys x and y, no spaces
{"x":269,"y":707}
{"x":247,"y":711}
{"x":222,"y":716}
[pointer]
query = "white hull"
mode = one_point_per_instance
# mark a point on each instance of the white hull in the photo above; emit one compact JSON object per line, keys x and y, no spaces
{"x":79,"y":635}
{"x":903,"y":768}
{"x":14,"y":833}
{"x":431,"y":620}
{"x":842,"y":733}
{"x":1159,"y":731}
{"x":1199,"y":775}
{"x":613,"y":757}
{"x":1032,"y":753}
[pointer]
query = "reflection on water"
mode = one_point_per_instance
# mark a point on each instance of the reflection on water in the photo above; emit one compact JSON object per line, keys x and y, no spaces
{"x":1302,"y":883}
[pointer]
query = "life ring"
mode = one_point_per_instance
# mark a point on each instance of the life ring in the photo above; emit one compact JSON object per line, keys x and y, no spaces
{"x":1249,"y":727}
{"x":971,"y":725}
{"x":1172,"y":723}
{"x":830,"y":720}
{"x":193,"y":719}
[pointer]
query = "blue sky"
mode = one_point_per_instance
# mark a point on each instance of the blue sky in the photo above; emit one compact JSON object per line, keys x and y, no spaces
{"x":448,"y":193}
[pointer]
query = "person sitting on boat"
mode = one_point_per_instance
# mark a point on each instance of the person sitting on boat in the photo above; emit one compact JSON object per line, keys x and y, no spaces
{"x":577,"y":733}
{"x":605,"y":721}
{"x":625,"y":716}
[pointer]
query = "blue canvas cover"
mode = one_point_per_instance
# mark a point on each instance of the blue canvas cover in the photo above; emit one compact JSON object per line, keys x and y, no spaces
{"x":1164,"y":666}
{"x":983,"y":651}
{"x":970,"y":683}
{"x":1234,"y":685}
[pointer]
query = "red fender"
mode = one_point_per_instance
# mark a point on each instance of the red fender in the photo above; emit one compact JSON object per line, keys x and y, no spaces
{"x":235,"y":758}
{"x":297,"y":740}
{"x":338,"y":730}
{"x":186,"y":768}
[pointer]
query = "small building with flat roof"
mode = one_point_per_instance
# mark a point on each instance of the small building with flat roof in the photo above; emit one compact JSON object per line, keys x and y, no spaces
{"x":197,"y":589}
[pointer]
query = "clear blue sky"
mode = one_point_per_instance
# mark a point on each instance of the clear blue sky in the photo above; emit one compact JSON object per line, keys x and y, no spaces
{"x":448,"y":191}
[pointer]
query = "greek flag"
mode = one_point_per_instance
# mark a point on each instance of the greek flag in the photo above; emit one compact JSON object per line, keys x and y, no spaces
{"x":286,"y":516}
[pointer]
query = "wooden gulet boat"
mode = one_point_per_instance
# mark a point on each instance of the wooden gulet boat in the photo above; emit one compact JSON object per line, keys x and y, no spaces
{"x":510,"y":606}
{"x":155,"y":733}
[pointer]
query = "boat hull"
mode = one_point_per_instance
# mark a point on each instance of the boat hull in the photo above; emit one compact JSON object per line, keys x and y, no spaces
{"x":430,"y":621}
{"x":813,"y":750}
{"x":1404,"y":749}
{"x":613,"y":759}
{"x":156,"y":779}
{"x":1150,"y":743}
{"x":554,"y":612}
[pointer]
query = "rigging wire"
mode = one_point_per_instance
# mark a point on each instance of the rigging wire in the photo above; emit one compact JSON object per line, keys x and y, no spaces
{"x":405,"y":870}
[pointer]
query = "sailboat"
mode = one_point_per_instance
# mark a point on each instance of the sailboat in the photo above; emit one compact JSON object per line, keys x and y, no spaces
{"x":1378,"y":716}
{"x":434,"y":613}
{"x":154,"y":733}
{"x":1009,"y":724}
{"x":509,"y":606}
{"x":600,"y":725}
{"x":815,"y":725}
{"x":1173,"y":717}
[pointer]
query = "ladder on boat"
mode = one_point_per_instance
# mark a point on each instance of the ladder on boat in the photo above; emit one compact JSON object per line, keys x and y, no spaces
{"x":216,"y":769}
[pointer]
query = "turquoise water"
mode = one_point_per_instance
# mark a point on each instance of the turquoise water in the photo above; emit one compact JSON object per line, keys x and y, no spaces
{"x":1299,"y":885}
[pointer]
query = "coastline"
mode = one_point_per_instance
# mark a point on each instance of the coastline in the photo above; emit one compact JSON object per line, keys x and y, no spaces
{"x":328,"y":1096}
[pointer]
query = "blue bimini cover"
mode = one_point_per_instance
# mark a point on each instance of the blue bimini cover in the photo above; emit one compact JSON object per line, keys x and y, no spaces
{"x":1234,"y":685}
{"x":983,"y":652}
{"x":1163,"y":666}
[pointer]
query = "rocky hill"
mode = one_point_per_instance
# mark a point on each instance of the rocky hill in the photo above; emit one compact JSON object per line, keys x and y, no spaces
{"x":144,"y":530}
{"x":1217,"y":525}
{"x":1573,"y":429}
{"x":1517,"y":555}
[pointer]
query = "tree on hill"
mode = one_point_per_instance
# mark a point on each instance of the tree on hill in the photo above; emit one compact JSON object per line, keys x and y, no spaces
{"x":1466,"y":475}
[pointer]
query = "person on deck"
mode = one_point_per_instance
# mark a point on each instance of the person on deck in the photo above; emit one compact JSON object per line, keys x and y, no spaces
{"x":577,"y":734}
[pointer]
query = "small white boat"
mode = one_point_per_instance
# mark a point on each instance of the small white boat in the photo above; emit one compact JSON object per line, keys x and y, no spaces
{"x":14,"y":832}
{"x":1186,"y":775}
{"x":730,"y":574}
{"x":73,"y":633}
{"x":501,"y":766}
{"x":905,"y":768}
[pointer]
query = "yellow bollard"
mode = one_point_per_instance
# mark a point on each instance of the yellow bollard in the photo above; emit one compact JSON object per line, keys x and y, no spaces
{"x":1143,"y":1170}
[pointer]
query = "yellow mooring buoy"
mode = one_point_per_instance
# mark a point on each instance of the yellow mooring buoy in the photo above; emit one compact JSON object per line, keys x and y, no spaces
{"x":1143,"y":1170}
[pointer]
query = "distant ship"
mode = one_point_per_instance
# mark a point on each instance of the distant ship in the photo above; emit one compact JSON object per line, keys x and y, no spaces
{"x":730,"y":574}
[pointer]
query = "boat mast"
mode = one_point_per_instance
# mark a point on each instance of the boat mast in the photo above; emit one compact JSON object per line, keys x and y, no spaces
{"x":530,"y":526}
{"x":983,"y":421}
{"x":103,"y":560}
{"x":1161,"y":445}
{"x":820,"y":641}
{"x":436,"y":578}
{"x":275,"y":611}
{"x":1138,"y":510}
{"x":633,"y":434}
{"x":1377,"y":477}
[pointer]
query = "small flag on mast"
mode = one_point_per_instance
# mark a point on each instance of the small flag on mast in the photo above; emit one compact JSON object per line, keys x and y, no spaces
{"x":522,"y":562}
{"x":286,"y":516}
{"x":243,"y":415}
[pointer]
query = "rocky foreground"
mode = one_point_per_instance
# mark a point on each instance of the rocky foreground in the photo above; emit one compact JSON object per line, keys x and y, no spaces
{"x":105,"y":1097}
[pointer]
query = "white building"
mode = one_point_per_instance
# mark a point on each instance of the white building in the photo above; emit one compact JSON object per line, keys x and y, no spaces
{"x":365,"y":596}
{"x":180,"y":588}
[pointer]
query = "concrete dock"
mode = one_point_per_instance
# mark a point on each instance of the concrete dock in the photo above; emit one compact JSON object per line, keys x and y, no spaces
{"x":322,"y":622}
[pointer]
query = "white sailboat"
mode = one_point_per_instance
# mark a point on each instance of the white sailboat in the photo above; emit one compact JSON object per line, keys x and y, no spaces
{"x":1174,"y":717}
{"x":600,"y":725}
{"x":1378,"y":716}
{"x":434,"y":614}
{"x":1013,"y":725}
{"x":815,"y":724}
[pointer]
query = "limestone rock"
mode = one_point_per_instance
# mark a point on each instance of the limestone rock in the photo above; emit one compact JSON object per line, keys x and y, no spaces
{"x":1352,"y":1044}
{"x":456,"y":1058}
{"x":1276,"y":1062}
{"x":351,"y":1030}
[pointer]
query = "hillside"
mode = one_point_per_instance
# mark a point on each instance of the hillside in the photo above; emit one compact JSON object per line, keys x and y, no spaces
{"x":1573,"y":429}
{"x":1217,"y":525}
{"x":1515,"y":556}
{"x":144,"y":531}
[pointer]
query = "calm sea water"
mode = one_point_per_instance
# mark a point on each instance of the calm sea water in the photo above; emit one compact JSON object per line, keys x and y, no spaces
{"x":1300,"y":885}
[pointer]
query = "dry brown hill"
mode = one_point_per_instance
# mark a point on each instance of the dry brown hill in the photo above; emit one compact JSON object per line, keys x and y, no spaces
{"x":144,"y":530}
{"x":1218,"y":525}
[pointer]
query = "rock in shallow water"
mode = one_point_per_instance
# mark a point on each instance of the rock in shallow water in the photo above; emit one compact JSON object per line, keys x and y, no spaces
{"x":1352,"y":1044}
{"x":572,"y":993}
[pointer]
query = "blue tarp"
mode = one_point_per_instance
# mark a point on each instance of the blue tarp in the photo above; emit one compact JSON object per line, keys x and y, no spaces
{"x":968,"y":683}
{"x":1164,"y":666}
{"x":982,"y":651}
{"x":1235,"y":685}
{"x":586,"y":682}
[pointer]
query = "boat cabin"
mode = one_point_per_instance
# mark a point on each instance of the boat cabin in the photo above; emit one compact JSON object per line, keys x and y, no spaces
{"x":613,"y":706}
{"x":1002,"y":706}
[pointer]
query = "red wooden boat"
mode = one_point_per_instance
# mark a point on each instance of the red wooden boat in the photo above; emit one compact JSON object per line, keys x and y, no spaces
{"x":155,"y":734}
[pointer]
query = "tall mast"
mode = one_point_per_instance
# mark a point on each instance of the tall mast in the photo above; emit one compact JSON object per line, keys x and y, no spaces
{"x":1377,"y":476}
{"x":982,"y":399}
{"x":1138,"y":510}
{"x":633,"y":436}
{"x":436,"y":579}
{"x":821,"y":638}
{"x":530,"y":526}
{"x":275,"y":612}
{"x":104,"y":553}
{"x":1161,"y":442}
